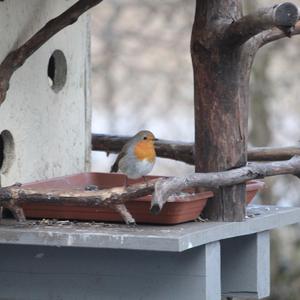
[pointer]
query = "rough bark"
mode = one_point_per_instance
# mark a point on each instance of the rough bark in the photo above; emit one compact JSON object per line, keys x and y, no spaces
{"x":185,"y":151}
{"x":223,"y":47}
{"x":220,"y":104}
{"x":16,"y":58}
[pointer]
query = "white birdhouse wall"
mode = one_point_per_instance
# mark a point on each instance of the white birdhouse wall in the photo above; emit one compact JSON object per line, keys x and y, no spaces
{"x":45,"y":119}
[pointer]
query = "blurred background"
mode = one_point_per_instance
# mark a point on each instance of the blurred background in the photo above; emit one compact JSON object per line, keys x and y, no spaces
{"x":142,"y":79}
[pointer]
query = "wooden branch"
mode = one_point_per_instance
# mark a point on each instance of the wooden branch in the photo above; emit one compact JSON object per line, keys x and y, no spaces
{"x":16,"y":58}
{"x":283,"y":16}
{"x":164,"y":148}
{"x":127,"y":217}
{"x":12,"y":197}
{"x":184,"y":151}
{"x":16,"y":211}
{"x":275,"y":34}
{"x":166,"y":187}
{"x":272,"y":154}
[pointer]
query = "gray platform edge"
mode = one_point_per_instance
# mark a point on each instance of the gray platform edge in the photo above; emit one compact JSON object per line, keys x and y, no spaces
{"x":142,"y":237}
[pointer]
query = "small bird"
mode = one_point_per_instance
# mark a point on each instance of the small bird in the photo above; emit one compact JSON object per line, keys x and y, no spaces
{"x":137,"y":156}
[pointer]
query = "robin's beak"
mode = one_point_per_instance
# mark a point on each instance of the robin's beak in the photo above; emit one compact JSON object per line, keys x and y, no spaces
{"x":155,"y":139}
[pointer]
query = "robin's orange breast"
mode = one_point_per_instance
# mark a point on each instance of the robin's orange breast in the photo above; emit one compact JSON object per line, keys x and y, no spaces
{"x":145,"y":150}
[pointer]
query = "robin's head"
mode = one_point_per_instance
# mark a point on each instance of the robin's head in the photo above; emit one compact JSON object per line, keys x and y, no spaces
{"x":145,"y":135}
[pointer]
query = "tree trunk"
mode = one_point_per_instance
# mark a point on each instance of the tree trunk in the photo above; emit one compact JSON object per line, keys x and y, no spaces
{"x":221,"y":85}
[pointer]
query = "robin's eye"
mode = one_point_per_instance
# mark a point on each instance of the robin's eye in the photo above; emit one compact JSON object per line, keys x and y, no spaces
{"x":145,"y":138}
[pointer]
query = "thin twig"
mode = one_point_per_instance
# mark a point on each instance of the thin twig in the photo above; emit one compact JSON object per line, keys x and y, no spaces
{"x":16,"y":58}
{"x":275,"y":34}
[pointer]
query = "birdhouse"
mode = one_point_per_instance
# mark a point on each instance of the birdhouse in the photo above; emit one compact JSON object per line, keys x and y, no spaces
{"x":45,"y":119}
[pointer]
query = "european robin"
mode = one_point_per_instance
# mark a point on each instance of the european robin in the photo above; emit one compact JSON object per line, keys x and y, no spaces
{"x":137,"y":156}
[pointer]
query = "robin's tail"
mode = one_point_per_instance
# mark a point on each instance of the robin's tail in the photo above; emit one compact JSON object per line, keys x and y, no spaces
{"x":114,"y":168}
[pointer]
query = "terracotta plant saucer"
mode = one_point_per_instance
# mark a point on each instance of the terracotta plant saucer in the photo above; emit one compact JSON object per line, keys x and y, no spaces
{"x":180,"y":209}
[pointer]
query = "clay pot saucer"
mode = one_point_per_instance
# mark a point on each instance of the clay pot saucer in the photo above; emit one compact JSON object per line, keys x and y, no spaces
{"x":180,"y":209}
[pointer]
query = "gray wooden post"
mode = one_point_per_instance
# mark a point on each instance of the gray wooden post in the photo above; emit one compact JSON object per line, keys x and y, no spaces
{"x":246,"y":266}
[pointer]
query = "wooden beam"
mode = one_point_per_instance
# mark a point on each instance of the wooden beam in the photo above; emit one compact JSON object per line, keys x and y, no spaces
{"x":183,"y":151}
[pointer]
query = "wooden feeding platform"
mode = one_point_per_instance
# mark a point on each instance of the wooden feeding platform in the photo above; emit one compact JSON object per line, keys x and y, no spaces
{"x":194,"y":260}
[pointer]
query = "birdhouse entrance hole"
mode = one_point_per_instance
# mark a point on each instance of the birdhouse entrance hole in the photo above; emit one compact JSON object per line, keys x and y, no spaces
{"x":7,"y":150}
{"x":57,"y":70}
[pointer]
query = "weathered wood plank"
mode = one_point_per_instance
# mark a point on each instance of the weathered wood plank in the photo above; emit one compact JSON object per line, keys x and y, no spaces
{"x":73,"y":273}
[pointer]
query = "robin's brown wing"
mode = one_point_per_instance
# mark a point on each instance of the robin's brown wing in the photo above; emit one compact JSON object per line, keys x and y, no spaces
{"x":115,"y":167}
